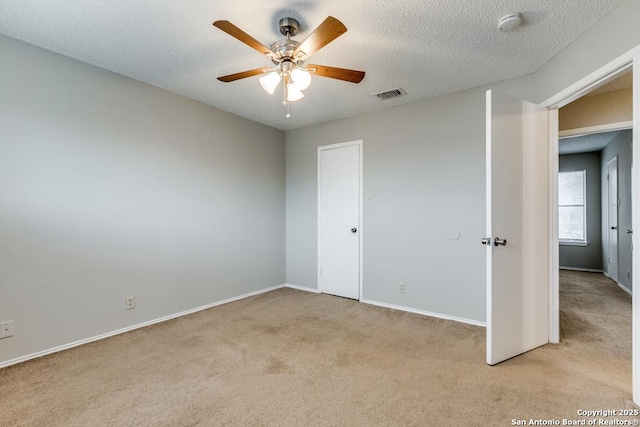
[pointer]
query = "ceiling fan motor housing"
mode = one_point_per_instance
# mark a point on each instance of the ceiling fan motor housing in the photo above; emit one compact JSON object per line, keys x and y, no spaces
{"x":283,"y":49}
{"x":289,"y":26}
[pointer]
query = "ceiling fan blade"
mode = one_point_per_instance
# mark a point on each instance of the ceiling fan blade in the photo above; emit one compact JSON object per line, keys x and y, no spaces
{"x":245,"y":38}
{"x":325,"y":33}
{"x":244,"y":74}
{"x":347,"y":75}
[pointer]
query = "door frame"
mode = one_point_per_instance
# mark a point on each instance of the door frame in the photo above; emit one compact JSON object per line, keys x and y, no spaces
{"x":615,"y":274}
{"x":360,"y":144}
{"x":562,"y":98}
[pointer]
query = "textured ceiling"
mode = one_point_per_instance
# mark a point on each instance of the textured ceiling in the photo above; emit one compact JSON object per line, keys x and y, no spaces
{"x":585,"y":143}
{"x":625,"y":81}
{"x":427,"y":47}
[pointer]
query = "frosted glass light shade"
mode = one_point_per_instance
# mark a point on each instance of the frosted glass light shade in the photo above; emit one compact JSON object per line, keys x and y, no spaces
{"x":270,"y":82}
{"x":293,"y":93}
{"x":301,"y":78}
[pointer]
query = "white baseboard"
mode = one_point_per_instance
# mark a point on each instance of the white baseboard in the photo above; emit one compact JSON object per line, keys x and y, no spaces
{"x":620,"y":285}
{"x":588,"y":270}
{"x":302,"y":288}
{"x":426,"y":313}
{"x":131,"y":328}
{"x":624,"y":288}
{"x":226,"y":301}
{"x":398,"y":307}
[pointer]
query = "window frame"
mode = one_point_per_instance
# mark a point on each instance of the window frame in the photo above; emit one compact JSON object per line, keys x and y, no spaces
{"x":576,"y":242}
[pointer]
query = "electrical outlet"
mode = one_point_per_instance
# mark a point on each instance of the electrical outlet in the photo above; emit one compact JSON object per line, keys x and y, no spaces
{"x":403,"y":288}
{"x":130,"y":303}
{"x":6,"y":329}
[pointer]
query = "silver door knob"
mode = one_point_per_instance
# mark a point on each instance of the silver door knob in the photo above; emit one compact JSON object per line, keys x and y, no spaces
{"x":614,"y":228}
{"x":353,"y":230}
{"x":486,"y":241}
{"x":629,"y":231}
{"x":498,"y":241}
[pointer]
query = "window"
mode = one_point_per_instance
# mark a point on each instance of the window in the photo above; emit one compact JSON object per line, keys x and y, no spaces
{"x":572,"y":203}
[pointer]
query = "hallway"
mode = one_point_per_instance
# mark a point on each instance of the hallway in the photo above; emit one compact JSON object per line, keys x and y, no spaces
{"x":596,"y":313}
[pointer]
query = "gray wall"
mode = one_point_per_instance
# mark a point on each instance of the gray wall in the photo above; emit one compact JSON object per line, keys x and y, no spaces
{"x":419,"y":200}
{"x":424,"y":167}
{"x":621,"y":147}
{"x":588,"y":257}
{"x":110,"y":187}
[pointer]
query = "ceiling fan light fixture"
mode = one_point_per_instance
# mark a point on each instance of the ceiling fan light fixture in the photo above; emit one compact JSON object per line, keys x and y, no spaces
{"x":301,"y":78}
{"x":293,"y":93}
{"x":289,"y":56}
{"x":270,"y":82}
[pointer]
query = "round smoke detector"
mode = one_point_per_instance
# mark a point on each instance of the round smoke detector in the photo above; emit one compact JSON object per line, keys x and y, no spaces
{"x":509,"y":22}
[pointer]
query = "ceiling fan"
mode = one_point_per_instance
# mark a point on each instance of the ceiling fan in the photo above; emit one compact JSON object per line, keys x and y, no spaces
{"x":289,"y":57}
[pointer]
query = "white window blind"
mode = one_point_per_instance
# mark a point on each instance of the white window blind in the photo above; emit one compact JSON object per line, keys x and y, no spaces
{"x":572,"y":204}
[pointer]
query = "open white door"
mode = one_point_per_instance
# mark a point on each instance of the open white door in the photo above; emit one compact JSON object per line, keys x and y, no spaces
{"x":517,"y":227}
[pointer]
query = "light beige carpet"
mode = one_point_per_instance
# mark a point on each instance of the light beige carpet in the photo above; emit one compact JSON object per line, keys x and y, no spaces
{"x":290,"y":358}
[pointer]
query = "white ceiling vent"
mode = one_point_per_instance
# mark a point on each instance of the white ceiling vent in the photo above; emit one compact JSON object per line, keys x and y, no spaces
{"x":393,"y":93}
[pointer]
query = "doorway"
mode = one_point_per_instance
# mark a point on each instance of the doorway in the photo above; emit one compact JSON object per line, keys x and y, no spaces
{"x":594,"y":207}
{"x":595,"y":180}
{"x":594,"y":213}
{"x":595,"y":80}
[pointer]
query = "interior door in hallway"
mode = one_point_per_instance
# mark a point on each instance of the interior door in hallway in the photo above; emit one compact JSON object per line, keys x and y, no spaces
{"x":518,"y":235}
{"x":339,"y":219}
{"x":613,"y":202}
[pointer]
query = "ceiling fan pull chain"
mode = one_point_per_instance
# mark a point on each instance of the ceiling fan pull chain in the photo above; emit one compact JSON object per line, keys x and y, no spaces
{"x":284,"y":89}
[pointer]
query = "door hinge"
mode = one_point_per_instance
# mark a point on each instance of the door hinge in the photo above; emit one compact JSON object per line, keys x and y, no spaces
{"x":607,"y":177}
